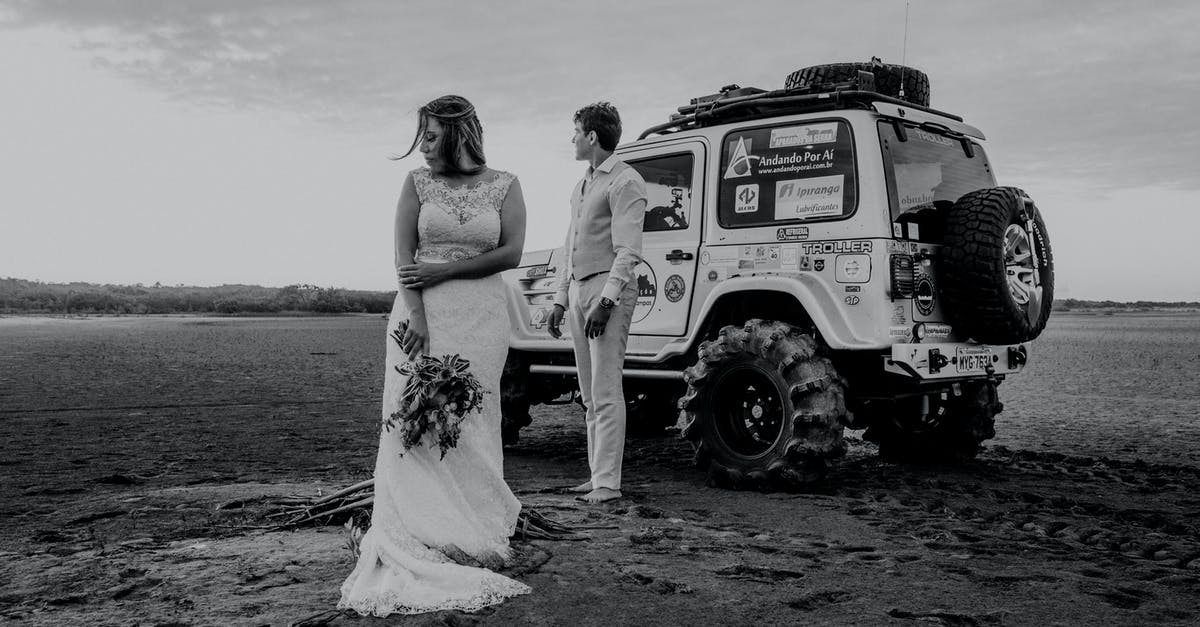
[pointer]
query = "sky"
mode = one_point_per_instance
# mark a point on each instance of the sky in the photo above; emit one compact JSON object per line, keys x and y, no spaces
{"x":223,"y":141}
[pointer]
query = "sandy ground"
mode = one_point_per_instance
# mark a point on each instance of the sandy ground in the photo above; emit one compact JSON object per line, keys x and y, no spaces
{"x":135,"y":454}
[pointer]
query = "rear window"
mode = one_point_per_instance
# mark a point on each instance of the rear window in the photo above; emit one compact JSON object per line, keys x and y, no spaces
{"x":787,"y":173}
{"x":931,"y":168}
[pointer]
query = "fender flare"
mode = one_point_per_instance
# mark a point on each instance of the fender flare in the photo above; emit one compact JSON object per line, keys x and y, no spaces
{"x":814,"y":296}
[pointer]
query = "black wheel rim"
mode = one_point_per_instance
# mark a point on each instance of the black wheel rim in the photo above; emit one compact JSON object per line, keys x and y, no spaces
{"x":747,"y":410}
{"x":1020,"y":270}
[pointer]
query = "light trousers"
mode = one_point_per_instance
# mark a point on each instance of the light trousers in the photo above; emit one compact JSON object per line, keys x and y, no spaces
{"x":599,"y":361}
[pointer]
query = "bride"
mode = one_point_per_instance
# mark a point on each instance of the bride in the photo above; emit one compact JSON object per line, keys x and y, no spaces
{"x":439,"y":525}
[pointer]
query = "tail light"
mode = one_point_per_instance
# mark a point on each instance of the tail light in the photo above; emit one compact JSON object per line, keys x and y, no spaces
{"x":903,"y":277}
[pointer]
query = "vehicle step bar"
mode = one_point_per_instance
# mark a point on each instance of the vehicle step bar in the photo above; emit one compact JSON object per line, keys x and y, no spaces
{"x":632,"y":373}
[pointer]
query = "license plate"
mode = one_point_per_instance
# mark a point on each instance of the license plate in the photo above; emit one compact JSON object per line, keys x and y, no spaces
{"x":974,"y":359}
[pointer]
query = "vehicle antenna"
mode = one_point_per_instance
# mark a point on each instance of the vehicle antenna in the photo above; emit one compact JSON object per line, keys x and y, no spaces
{"x":904,"y":50}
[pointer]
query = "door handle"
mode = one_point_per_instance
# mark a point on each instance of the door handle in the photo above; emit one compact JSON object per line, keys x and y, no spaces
{"x":679,"y":255}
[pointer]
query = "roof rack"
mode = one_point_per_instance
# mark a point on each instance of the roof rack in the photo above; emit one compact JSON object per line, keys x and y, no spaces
{"x":738,"y":104}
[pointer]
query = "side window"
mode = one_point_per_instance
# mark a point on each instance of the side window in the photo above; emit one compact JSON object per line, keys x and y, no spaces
{"x":797,"y":172}
{"x":668,"y":191}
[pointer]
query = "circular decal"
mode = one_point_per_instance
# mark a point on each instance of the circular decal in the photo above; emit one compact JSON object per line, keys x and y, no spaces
{"x":647,"y":291}
{"x":673,"y":289}
{"x":924,"y":296}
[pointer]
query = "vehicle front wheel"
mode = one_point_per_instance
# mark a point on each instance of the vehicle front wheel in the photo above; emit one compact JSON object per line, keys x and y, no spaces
{"x":764,"y":409}
{"x":651,"y":407}
{"x":514,"y":398}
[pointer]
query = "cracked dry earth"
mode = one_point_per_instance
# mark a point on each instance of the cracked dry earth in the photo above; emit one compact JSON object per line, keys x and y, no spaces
{"x":135,"y":508}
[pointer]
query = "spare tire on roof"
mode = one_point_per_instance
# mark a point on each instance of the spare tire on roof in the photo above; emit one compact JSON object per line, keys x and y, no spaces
{"x":889,"y":79}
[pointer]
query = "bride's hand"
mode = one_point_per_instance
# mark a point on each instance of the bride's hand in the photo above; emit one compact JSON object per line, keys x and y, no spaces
{"x":419,"y":276}
{"x":415,"y":341}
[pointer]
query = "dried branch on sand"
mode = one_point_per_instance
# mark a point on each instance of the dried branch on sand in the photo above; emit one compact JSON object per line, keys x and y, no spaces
{"x":352,"y":506}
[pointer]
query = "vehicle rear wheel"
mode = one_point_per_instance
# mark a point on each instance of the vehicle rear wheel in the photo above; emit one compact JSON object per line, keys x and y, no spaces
{"x":889,"y":79}
{"x":998,"y":277}
{"x":514,"y":397}
{"x":949,"y":430}
{"x":763,"y":408}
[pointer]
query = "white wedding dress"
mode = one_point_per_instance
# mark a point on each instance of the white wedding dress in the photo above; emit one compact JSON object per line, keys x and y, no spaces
{"x":423,"y":503}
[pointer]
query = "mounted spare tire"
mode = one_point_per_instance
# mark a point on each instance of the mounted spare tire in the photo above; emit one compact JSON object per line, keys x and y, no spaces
{"x":889,"y":79}
{"x":997,"y":269}
{"x":764,"y":409}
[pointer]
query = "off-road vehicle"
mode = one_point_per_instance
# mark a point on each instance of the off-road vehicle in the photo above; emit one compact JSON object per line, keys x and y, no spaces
{"x":834,"y":254}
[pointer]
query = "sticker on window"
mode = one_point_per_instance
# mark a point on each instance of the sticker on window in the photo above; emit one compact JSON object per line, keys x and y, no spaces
{"x":739,"y":163}
{"x":809,"y":198}
{"x":746,"y":198}
{"x":804,"y":135}
{"x":915,"y":183}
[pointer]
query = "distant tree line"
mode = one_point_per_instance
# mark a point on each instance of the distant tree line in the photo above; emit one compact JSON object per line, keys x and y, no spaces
{"x":18,"y":296}
{"x":1073,"y":304}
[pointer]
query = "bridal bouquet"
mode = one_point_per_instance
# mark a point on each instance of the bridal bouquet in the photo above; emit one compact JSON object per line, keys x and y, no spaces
{"x":437,"y":398}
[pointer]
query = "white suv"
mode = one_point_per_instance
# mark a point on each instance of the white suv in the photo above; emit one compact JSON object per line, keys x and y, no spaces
{"x":828,"y":255}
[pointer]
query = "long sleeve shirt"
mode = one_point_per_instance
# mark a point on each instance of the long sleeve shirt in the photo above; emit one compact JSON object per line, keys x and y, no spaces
{"x":608,"y":207}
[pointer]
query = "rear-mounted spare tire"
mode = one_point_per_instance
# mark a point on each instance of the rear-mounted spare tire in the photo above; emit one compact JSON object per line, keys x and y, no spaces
{"x":997,"y":269}
{"x":888,"y":79}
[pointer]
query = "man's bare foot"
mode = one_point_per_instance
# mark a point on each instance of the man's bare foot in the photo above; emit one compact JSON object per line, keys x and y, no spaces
{"x":586,"y":486}
{"x":600,"y":495}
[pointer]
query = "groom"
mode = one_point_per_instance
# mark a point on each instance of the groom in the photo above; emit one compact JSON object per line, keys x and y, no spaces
{"x":596,"y":288}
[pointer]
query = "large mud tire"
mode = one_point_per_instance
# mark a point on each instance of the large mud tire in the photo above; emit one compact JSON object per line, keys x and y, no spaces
{"x":764,"y":409}
{"x":952,"y":431}
{"x":514,"y":397}
{"x":998,"y":274}
{"x":888,"y":79}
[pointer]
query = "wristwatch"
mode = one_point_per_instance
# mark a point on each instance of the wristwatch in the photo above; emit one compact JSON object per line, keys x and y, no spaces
{"x":607,"y":303}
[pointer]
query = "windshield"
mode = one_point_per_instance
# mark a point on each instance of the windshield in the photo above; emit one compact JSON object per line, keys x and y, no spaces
{"x":930,"y":168}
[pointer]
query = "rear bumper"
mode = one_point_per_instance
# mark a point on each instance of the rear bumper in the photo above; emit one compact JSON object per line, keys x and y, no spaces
{"x":937,"y":361}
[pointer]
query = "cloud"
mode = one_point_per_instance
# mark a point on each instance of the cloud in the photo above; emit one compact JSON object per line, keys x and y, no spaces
{"x":351,"y":63}
{"x":1096,"y":91}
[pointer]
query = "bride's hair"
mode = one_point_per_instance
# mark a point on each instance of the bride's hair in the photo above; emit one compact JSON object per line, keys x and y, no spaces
{"x":462,"y":131}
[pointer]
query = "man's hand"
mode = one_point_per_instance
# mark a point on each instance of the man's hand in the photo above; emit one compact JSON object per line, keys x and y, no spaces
{"x":556,"y":318}
{"x":597,"y":319}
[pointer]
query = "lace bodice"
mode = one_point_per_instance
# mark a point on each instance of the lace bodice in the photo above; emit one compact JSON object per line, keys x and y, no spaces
{"x":458,"y":222}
